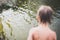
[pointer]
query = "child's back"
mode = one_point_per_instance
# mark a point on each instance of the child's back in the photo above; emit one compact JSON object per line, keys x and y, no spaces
{"x":42,"y":33}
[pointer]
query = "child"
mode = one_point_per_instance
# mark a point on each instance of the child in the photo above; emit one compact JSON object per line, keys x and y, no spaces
{"x":43,"y":32}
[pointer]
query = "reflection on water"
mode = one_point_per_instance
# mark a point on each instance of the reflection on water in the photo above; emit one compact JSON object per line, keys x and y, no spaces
{"x":16,"y":24}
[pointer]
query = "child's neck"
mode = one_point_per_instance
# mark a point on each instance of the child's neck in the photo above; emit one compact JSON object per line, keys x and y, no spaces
{"x":43,"y":25}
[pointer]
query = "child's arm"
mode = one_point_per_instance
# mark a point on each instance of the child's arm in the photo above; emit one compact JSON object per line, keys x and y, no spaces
{"x":30,"y":36}
{"x":55,"y":37}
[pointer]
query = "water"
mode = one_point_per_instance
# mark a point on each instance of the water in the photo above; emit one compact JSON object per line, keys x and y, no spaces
{"x":16,"y":24}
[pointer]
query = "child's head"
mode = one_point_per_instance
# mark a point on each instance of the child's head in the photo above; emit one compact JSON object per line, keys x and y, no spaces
{"x":44,"y":14}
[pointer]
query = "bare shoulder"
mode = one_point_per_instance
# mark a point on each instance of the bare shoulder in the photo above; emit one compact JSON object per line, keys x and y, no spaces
{"x":53,"y":34}
{"x":32,"y":30}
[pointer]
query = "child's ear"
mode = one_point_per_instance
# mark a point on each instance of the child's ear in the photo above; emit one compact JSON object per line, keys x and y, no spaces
{"x":38,"y":18}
